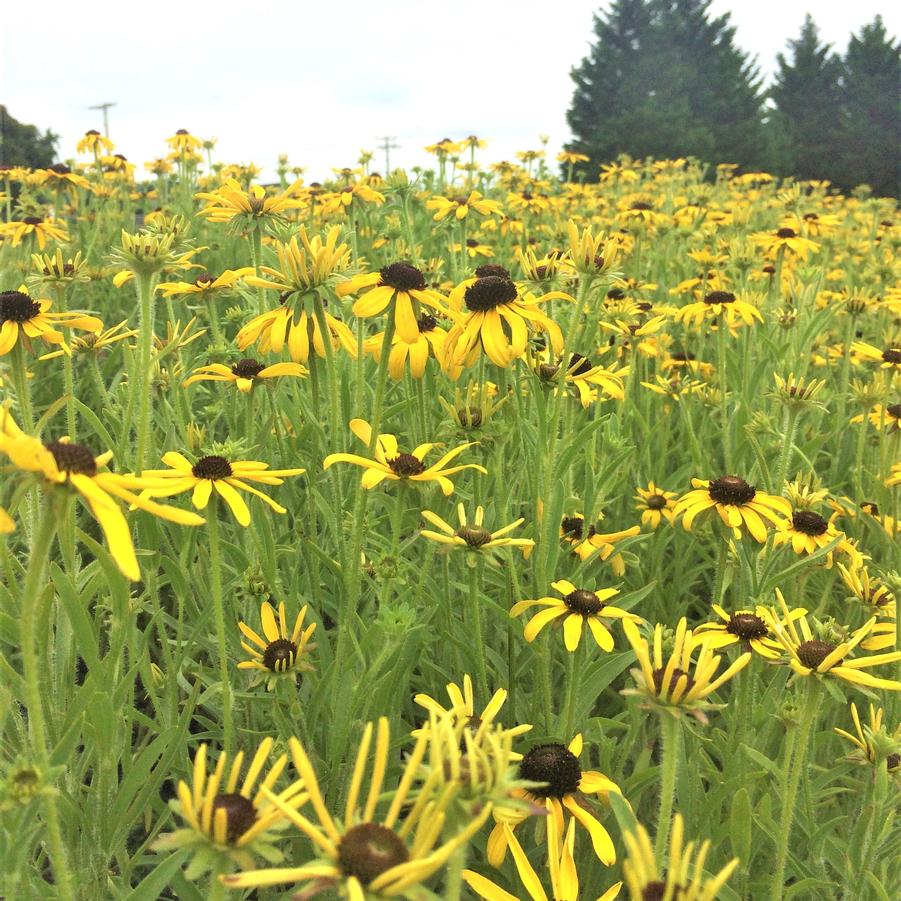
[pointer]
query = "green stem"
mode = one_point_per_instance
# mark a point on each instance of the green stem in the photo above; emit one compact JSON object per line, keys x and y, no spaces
{"x":455,"y":867}
{"x":722,"y":334}
{"x":573,"y":670}
{"x":475,"y":616}
{"x":141,"y":382}
{"x":68,"y":377}
{"x":23,"y":388}
{"x":790,"y":427}
{"x":32,"y":666}
{"x":671,"y":735}
{"x":219,"y":612}
{"x":793,"y":769}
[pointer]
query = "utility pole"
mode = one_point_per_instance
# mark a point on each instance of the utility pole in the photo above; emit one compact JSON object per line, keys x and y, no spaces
{"x":104,"y":107}
{"x":387,"y":145}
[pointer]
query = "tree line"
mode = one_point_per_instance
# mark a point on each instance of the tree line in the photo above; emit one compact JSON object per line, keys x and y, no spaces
{"x":665,"y":78}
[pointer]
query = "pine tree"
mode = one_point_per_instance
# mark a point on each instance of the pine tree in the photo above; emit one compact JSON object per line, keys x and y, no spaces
{"x":808,"y":114}
{"x":872,"y":128}
{"x":23,"y":145}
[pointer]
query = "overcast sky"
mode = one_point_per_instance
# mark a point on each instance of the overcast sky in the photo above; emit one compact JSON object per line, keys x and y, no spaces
{"x":320,"y":81}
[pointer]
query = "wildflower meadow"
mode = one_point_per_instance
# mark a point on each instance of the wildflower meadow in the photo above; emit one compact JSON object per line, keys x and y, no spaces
{"x":474,"y":531}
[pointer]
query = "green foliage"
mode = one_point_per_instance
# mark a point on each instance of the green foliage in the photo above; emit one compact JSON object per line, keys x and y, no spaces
{"x":24,"y":145}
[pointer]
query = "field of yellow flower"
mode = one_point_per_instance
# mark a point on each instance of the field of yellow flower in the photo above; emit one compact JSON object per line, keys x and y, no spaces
{"x":468,"y":532}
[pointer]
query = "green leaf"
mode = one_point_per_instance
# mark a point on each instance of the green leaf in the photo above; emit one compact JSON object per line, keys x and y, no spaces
{"x":740,"y":826}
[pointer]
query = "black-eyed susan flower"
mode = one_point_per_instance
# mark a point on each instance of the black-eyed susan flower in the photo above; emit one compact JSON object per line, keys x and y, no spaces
{"x":472,"y":535}
{"x":230,"y":817}
{"x":894,"y":476}
{"x":23,"y":318}
{"x":205,"y":283}
{"x":357,"y":855}
{"x":577,"y":609}
{"x":560,"y":786}
{"x":244,"y":374}
{"x":872,"y":741}
{"x":33,"y":228}
{"x":871,"y":591}
{"x":350,"y":196}
{"x":279,"y":650}
{"x":94,"y":342}
{"x":810,"y":656}
{"x":64,"y":464}
{"x":787,"y":240}
{"x":430,"y":343}
{"x":888,"y":357}
{"x":591,"y":381}
{"x":392,"y":463}
{"x":183,"y":142}
{"x":214,"y":473}
{"x":593,"y":543}
{"x":882,"y":416}
{"x":749,"y":627}
{"x":685,"y":877}
{"x":719,"y":305}
{"x":400,"y":284}
{"x":462,"y":709}
{"x":655,"y":504}
{"x":737,"y":504}
{"x":231,"y":203}
{"x":60,"y":177}
{"x":94,"y":142}
{"x":807,"y":532}
{"x":498,"y":321}
{"x":677,"y":684}
{"x":461,"y":206}
{"x":562,"y":871}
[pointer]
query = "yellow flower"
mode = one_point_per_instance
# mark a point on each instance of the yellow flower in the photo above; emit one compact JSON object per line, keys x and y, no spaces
{"x":595,"y":544}
{"x":22,"y":318}
{"x":430,"y":343}
{"x":62,"y":463}
{"x":677,"y":684}
{"x":590,"y":381}
{"x":807,"y":532}
{"x":401,"y":283}
{"x":579,"y":607}
{"x":863,"y":739}
{"x":461,"y":206}
{"x":882,"y":417}
{"x":563,"y":874}
{"x":561,"y":786}
{"x":750,"y":627}
{"x":275,"y":329}
{"x":655,"y":504}
{"x":869,"y":590}
{"x":230,"y":202}
{"x":94,"y":342}
{"x":736,"y":502}
{"x":719,"y":305}
{"x":40,"y":229}
{"x":94,"y":142}
{"x":339,"y":201}
{"x":215,"y":473}
{"x":810,"y":656}
{"x":494,"y":302}
{"x":889,"y":358}
{"x":684,"y":879}
{"x":787,"y":240}
{"x":356,"y":854}
{"x":391,"y":463}
{"x":229,"y":816}
{"x":245,"y":373}
{"x":205,"y":283}
{"x":278,"y":651}
{"x":7,"y":524}
{"x":570,"y":156}
{"x":183,"y":142}
{"x":473,"y":535}
{"x":305,"y":265}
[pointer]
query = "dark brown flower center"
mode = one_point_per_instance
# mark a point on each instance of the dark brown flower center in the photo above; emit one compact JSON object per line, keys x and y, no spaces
{"x":248,"y":369}
{"x":572,"y":526}
{"x":894,"y":410}
{"x":489,"y":292}
{"x":813,"y":653}
{"x":786,"y":233}
{"x":406,"y":465}
{"x":579,"y":365}
{"x":870,"y":507}
{"x":492,"y":269}
{"x":240,"y":814}
{"x":204,"y":281}
{"x":616,"y":294}
{"x":91,"y":131}
{"x":585,"y":602}
{"x":59,"y":169}
{"x":470,"y":417}
{"x":555,"y":766}
{"x":32,"y":220}
{"x":72,"y":458}
{"x":402,"y":277}
{"x":891,"y":355}
{"x":656,"y":502}
{"x":809,"y":523}
{"x":746,"y":626}
{"x":474,"y":536}
{"x":212,"y":467}
{"x":369,"y":850}
{"x":280,"y":655}
{"x":654,"y":891}
{"x":677,"y":674}
{"x":641,"y":205}
{"x":719,"y":297}
{"x":731,"y":490}
{"x":427,"y":323}
{"x":17,"y":307}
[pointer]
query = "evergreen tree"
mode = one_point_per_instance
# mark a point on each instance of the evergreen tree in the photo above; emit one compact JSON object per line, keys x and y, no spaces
{"x":872,"y":127}
{"x":808,"y":114}
{"x":23,"y":145}
{"x":663,"y":79}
